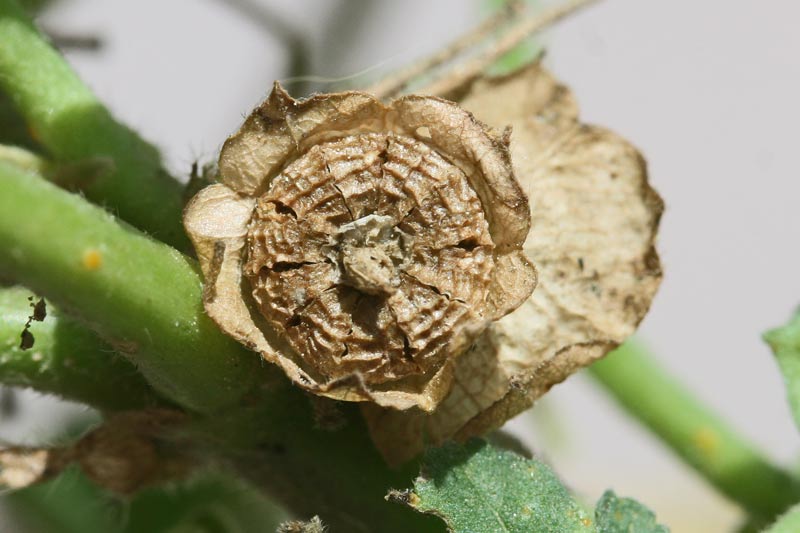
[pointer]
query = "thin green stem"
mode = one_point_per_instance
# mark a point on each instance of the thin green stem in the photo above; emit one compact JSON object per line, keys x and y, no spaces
{"x":66,"y":359}
{"x":141,"y":296}
{"x":696,"y":434}
{"x":69,"y":121}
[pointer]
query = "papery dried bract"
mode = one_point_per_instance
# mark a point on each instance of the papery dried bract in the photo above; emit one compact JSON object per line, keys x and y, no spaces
{"x":362,"y":246}
{"x":594,"y":221}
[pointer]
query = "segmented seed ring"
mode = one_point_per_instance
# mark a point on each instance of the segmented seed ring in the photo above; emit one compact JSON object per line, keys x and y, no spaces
{"x":368,"y":252}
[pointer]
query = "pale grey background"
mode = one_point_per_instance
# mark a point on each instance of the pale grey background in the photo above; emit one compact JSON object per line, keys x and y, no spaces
{"x":707,"y":89}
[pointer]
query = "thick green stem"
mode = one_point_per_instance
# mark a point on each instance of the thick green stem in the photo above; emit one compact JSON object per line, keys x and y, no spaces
{"x":284,"y":443}
{"x":141,"y":296}
{"x":66,"y":359}
{"x":69,"y":121}
{"x":700,"y":437}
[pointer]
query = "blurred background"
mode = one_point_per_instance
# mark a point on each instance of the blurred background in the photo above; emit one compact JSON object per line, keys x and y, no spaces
{"x":707,"y":90}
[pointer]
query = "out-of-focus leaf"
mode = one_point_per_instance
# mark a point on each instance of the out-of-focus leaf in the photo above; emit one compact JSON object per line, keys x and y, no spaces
{"x":785,"y":344}
{"x":479,"y":488}
{"x":208,"y":503}
{"x":69,"y":503}
{"x":624,"y":515}
{"x":789,"y":522}
{"x":212,"y":503}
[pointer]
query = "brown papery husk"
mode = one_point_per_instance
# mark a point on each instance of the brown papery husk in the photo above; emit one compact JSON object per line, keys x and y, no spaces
{"x":594,"y":223}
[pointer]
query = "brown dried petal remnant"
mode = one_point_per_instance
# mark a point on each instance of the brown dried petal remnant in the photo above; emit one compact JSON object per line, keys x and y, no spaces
{"x":362,"y":246}
{"x":594,"y":222}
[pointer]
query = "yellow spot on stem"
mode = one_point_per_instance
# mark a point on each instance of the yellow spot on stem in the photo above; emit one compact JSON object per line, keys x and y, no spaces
{"x":706,"y":440}
{"x":34,"y":134}
{"x":92,"y":260}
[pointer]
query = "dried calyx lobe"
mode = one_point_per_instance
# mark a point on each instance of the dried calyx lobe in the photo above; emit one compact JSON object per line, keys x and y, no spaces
{"x":372,"y":253}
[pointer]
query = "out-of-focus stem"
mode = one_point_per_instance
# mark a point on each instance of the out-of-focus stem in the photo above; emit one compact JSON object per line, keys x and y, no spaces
{"x":396,"y":82}
{"x":696,"y":434}
{"x":69,"y":121}
{"x":523,"y":29}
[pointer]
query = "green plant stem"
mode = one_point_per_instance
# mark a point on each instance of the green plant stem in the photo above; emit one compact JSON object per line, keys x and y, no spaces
{"x":66,"y":359}
{"x":700,"y":437}
{"x":282,"y":446}
{"x":69,"y":121}
{"x":141,"y":296}
{"x":789,"y":522}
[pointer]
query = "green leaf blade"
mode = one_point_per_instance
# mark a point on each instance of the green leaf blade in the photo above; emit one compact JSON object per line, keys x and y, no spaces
{"x":624,"y":515}
{"x":478,"y":488}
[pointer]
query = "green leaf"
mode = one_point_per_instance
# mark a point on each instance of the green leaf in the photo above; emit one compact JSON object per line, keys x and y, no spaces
{"x":624,"y":515}
{"x":476,"y":488}
{"x":785,"y":344}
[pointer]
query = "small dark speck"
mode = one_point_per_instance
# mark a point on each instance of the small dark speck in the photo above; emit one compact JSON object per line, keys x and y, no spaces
{"x":26,"y":339}
{"x":39,"y":314}
{"x":39,"y":310}
{"x":580,"y":263}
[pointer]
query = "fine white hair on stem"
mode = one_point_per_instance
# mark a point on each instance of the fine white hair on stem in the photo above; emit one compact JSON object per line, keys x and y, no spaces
{"x":328,"y":79}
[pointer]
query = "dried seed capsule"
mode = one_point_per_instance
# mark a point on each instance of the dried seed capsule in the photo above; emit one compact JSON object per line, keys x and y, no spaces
{"x":362,"y":246}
